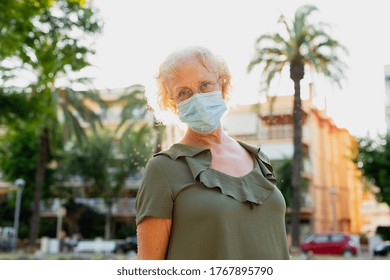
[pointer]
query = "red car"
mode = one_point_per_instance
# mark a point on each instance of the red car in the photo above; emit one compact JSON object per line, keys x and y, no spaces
{"x":331,"y":244}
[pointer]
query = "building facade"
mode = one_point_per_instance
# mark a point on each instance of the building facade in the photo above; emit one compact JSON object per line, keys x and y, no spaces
{"x":333,"y":196}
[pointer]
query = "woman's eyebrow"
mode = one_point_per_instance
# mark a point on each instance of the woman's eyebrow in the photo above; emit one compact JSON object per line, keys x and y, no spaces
{"x":206,"y":77}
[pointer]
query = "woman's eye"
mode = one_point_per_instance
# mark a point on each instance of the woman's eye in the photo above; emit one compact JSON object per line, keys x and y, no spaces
{"x":183,"y":93}
{"x":205,"y":85}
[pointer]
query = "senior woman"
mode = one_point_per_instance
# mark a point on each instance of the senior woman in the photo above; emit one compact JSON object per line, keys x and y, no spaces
{"x":208,"y":196}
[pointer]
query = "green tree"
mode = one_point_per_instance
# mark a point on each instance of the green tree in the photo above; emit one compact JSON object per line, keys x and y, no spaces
{"x":16,"y":24}
{"x":105,"y":164}
{"x":18,"y":157}
{"x":56,"y":45}
{"x":13,"y":106}
{"x":303,"y":43}
{"x":18,"y":160}
{"x":17,"y":27}
{"x":373,"y":159}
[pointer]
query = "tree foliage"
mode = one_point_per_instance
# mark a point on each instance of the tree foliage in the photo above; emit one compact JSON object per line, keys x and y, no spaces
{"x":49,"y":43}
{"x":373,"y":159}
{"x":16,"y":23}
{"x":301,"y":42}
{"x":18,"y":159}
{"x":104,"y":164}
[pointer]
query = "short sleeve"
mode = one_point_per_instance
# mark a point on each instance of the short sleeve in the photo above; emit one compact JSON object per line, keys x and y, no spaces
{"x":154,"y":197}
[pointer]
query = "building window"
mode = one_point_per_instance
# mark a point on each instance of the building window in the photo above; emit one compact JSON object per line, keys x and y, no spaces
{"x":283,"y":131}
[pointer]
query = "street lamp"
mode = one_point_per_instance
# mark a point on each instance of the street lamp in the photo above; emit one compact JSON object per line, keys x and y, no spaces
{"x":61,"y":212}
{"x":20,"y":183}
{"x":333,"y":195}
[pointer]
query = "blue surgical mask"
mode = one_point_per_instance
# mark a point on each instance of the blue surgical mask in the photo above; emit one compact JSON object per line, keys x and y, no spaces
{"x":202,"y":111}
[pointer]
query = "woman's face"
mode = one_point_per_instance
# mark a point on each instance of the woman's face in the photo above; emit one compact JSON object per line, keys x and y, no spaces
{"x":191,"y":78}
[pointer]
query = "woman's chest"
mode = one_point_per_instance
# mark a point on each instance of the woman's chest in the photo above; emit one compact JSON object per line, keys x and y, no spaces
{"x":234,"y":163}
{"x":198,"y":202}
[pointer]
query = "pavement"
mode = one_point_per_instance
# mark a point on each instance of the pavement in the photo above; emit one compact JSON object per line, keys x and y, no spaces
{"x":21,"y":255}
{"x":65,"y":256}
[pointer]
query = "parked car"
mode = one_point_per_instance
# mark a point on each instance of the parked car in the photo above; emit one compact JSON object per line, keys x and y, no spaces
{"x":126,"y":245}
{"x":382,"y":249}
{"x":332,"y":244}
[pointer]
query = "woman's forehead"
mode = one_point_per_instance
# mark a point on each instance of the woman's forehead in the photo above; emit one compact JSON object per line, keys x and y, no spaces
{"x":191,"y":68}
{"x":187,"y":71}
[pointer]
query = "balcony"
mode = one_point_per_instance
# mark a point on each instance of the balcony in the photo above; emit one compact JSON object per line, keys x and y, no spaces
{"x":273,"y":132}
{"x":122,"y":207}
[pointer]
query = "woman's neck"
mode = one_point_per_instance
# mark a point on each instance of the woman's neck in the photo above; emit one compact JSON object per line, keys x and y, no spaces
{"x":215,"y":137}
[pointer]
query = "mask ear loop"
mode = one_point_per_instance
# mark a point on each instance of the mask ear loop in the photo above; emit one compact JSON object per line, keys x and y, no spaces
{"x":221,"y":81}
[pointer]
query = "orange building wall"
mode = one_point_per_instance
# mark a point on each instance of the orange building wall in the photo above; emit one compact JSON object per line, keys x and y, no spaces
{"x":331,"y":151}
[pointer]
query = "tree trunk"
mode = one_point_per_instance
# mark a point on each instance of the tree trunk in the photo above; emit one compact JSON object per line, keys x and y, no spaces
{"x":107,"y":227}
{"x":296,"y":74}
{"x":39,"y":181}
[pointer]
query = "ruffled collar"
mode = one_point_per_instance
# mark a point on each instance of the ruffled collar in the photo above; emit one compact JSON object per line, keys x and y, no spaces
{"x":254,"y":187}
{"x":182,"y":150}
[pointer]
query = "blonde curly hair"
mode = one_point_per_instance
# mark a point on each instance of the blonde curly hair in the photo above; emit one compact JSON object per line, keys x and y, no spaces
{"x":168,"y":68}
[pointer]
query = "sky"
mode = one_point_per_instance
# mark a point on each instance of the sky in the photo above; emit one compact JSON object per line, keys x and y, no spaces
{"x":138,"y":35}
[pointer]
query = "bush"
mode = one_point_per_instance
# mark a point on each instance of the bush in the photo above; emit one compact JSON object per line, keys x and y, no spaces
{"x":383,"y":232}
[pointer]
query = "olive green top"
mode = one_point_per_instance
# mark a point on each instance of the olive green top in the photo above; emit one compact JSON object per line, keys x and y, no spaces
{"x":214,"y":215}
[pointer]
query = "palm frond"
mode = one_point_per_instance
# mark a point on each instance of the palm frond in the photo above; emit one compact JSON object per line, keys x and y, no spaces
{"x":272,"y":38}
{"x":93,"y":96}
{"x":254,"y":62}
{"x":72,"y":104}
{"x":130,"y":92}
{"x":329,"y":65}
{"x":73,"y":100}
{"x":135,"y":106}
{"x":283,"y":21}
{"x":275,"y":51}
{"x":72,"y":125}
{"x":300,"y":25}
{"x":135,"y":130}
{"x":304,"y":11}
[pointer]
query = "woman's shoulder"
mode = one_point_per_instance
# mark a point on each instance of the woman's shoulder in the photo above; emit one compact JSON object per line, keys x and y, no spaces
{"x":172,"y":157}
{"x":256,"y":150}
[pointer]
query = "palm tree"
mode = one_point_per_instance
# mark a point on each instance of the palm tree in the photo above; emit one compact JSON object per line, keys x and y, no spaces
{"x":55,"y":48}
{"x":304,"y":44}
{"x":73,"y":109}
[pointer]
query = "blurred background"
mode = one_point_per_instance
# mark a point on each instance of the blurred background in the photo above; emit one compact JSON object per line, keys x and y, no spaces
{"x":79,"y":120}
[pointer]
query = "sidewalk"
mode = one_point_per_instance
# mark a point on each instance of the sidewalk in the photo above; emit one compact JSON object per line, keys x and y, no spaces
{"x":132,"y":256}
{"x":65,"y":256}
